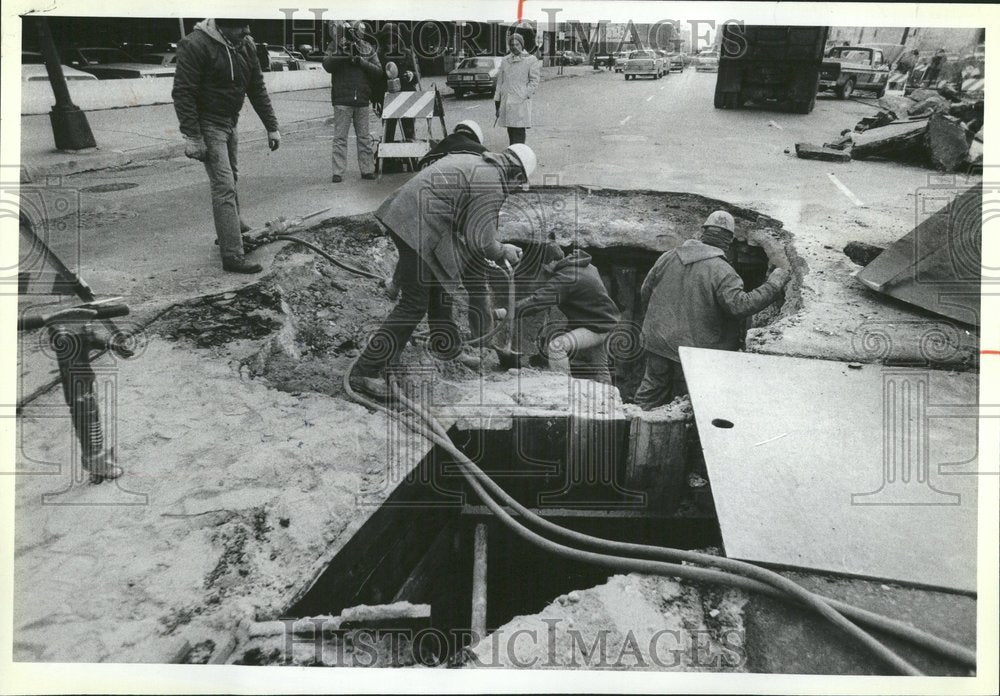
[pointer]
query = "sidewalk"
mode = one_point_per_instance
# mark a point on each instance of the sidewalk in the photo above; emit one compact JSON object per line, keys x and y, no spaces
{"x":150,"y":132}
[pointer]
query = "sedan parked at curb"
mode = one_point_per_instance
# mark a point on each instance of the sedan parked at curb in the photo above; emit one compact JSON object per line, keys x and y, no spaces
{"x":113,"y":64}
{"x":33,"y":69}
{"x":474,"y":75}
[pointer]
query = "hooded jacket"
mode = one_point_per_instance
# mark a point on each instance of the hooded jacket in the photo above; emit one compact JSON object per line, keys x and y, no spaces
{"x":212,"y":79}
{"x":456,"y":143}
{"x":351,"y":83}
{"x":576,"y":288}
{"x":449,"y":212}
{"x":695,"y":298}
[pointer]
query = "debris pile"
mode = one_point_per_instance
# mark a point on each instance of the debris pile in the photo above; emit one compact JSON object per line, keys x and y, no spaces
{"x":933,"y":128}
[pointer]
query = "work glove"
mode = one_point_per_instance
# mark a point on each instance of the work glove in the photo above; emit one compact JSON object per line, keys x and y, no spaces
{"x":195,"y":149}
{"x":409,"y":75}
{"x":497,"y":104}
{"x":779,"y":276}
{"x":511,"y":254}
{"x":274,"y":140}
{"x":499,"y":314}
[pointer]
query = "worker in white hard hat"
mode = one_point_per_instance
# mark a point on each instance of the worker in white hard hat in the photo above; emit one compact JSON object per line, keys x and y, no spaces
{"x":444,"y":223}
{"x":694,"y":297}
{"x":466,"y":138}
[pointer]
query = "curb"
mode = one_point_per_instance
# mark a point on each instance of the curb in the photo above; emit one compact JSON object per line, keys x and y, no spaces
{"x":95,"y":161}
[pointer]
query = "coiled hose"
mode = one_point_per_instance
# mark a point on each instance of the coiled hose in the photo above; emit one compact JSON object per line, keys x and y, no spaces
{"x":744,"y":575}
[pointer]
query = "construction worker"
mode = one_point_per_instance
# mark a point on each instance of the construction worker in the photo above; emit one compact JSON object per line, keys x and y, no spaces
{"x":354,"y":68}
{"x":443,"y":221}
{"x":574,"y":286}
{"x":695,"y":298}
{"x":517,"y":79}
{"x":467,"y":138}
{"x":217,"y":69}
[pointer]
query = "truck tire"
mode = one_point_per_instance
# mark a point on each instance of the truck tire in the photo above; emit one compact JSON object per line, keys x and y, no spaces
{"x":881,"y":92}
{"x":459,"y":93}
{"x":804,"y":106}
{"x":845,"y":91}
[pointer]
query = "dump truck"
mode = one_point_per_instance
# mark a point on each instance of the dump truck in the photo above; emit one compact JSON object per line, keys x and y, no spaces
{"x":771,"y":66}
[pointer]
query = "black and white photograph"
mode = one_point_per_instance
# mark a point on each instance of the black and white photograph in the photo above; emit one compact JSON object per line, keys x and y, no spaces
{"x":503,"y":346}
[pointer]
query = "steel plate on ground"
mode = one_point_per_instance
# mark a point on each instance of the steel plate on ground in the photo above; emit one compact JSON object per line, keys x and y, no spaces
{"x":937,"y":265}
{"x":856,"y":469}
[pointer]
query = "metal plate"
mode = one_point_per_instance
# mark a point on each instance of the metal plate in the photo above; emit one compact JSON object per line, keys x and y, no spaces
{"x":937,"y":265}
{"x":861,"y":470}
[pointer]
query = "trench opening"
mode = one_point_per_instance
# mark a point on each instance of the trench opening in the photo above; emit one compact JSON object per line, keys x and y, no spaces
{"x":419,"y":546}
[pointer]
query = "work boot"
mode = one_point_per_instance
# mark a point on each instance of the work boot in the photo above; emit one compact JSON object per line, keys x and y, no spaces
{"x":337,"y":178}
{"x":374,"y":387}
{"x":241,"y":266}
{"x":102,"y":468}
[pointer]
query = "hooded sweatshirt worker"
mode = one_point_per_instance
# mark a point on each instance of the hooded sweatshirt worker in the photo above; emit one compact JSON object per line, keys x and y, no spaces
{"x":443,"y":221}
{"x":695,"y":298}
{"x":217,"y":69}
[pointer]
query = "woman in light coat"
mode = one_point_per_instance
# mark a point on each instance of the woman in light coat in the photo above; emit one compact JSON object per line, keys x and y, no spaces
{"x":518,"y":78}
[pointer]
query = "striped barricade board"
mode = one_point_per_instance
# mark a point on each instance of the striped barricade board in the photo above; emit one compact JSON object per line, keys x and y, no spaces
{"x":416,"y":105}
{"x":408,"y":105}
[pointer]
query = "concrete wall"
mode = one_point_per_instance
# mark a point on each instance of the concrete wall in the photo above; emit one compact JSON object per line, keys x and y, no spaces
{"x":93,"y":95}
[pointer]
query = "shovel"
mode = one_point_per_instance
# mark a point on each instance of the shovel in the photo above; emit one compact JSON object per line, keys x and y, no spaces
{"x":509,"y":358}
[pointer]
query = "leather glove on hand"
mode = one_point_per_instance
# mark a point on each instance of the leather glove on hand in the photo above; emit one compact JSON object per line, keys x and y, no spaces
{"x":274,"y":140}
{"x":779,"y":276}
{"x":511,"y":254}
{"x":195,"y":149}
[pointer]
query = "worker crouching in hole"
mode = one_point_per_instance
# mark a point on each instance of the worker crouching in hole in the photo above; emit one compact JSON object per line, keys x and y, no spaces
{"x":442,"y":221}
{"x":574,"y":286}
{"x":695,"y":298}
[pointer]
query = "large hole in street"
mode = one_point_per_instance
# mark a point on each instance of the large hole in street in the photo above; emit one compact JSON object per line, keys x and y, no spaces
{"x":298,"y":328}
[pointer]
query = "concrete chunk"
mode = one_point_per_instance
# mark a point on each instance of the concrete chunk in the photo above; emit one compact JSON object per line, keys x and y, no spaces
{"x":825,"y":154}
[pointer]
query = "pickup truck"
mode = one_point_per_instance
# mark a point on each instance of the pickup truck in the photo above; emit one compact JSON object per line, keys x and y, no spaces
{"x":849,"y":68}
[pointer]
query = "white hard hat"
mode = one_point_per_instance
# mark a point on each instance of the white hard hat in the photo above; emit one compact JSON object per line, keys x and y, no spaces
{"x":526,"y":156}
{"x":720,"y":218}
{"x":472,"y":126}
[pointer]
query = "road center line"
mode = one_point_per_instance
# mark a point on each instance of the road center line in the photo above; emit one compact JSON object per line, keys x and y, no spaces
{"x":846,"y":191}
{"x":649,"y":97}
{"x":625,"y":120}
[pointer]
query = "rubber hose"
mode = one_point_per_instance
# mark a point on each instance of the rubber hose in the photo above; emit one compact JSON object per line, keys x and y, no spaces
{"x":351,"y":269}
{"x":632,"y":564}
{"x":800,"y":593}
{"x":910,"y":633}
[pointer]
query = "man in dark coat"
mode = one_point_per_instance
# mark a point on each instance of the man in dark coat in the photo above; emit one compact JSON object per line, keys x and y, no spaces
{"x":217,"y":68}
{"x":574,"y":286}
{"x":442,"y":221}
{"x":354,"y":70}
{"x":695,"y":298}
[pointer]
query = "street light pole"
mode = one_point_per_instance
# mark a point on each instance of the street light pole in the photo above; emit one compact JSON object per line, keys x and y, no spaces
{"x":69,"y":124}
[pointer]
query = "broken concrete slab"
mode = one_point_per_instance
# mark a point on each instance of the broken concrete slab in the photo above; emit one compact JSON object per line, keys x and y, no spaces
{"x":862,"y":253}
{"x":825,"y":154}
{"x":937,"y":265}
{"x":947,"y":142}
{"x":852,"y":470}
{"x":897,"y":140}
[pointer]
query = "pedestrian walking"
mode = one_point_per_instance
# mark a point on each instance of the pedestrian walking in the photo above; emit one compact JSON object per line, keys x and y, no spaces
{"x":442,"y":221}
{"x":695,"y":298}
{"x":354,"y":73}
{"x":217,"y":69}
{"x":517,"y":79}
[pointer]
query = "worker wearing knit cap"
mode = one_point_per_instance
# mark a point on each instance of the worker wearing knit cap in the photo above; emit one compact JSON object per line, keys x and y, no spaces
{"x":695,"y":298}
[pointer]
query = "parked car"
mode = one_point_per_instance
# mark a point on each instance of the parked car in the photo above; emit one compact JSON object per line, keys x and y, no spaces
{"x":33,"y":69}
{"x":707,"y":61}
{"x":113,"y":64}
{"x":303,"y":63}
{"x":645,"y":62}
{"x":603,"y":60}
{"x":474,"y":75}
{"x":677,"y":61}
{"x":849,"y":68}
{"x":620,"y":59}
{"x":165,"y":58}
{"x":570,"y":58}
{"x":281,"y":59}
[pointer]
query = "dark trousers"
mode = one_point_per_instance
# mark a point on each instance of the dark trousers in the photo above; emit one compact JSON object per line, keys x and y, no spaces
{"x":661,"y":383}
{"x":516,"y":135}
{"x":421,"y":295}
{"x":591,"y":363}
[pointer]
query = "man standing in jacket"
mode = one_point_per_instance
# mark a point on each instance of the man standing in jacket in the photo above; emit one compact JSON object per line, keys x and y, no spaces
{"x":695,"y":298}
{"x":574,"y":286}
{"x":217,"y":68}
{"x":353,"y":66}
{"x":443,"y":221}
{"x":517,"y":79}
